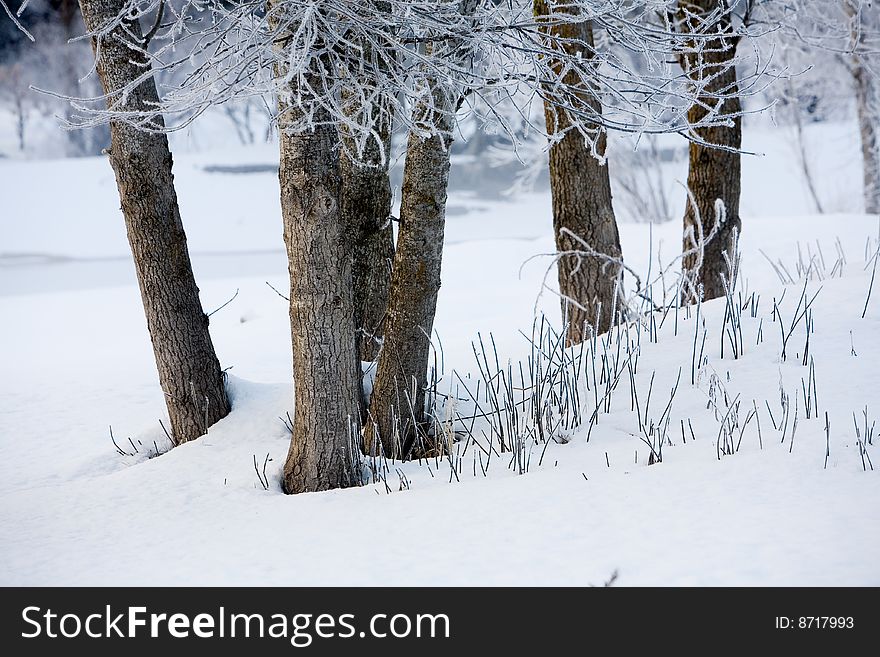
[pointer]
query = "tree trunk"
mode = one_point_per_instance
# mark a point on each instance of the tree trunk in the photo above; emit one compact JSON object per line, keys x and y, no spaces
{"x":868,"y":116}
{"x":189,"y":371}
{"x":325,"y":367}
{"x":397,"y":406}
{"x":366,"y":206}
{"x":868,"y":121}
{"x":366,"y":196}
{"x":587,"y":238}
{"x":20,"y":121}
{"x":77,"y":140}
{"x":711,"y":221}
{"x":397,"y":415}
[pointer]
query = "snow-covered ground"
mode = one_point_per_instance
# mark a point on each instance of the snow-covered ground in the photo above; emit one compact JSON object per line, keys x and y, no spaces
{"x":76,"y":360}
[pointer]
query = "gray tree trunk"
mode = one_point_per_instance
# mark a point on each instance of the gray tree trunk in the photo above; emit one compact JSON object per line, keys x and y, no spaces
{"x":366,"y":201}
{"x":189,"y":371}
{"x":584,"y":224}
{"x":868,"y":126}
{"x":326,"y":372}
{"x":20,"y":116}
{"x":366,"y":206}
{"x":87,"y":141}
{"x":397,"y":406}
{"x":868,"y":115}
{"x":714,"y":174}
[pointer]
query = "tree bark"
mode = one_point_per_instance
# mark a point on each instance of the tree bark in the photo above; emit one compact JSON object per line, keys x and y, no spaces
{"x":868,"y":122}
{"x":366,"y":206}
{"x":868,"y":116}
{"x":397,"y":414}
{"x":397,"y":406}
{"x":366,"y":196}
{"x":584,"y":224}
{"x":711,"y":221}
{"x":20,"y":121}
{"x":326,"y":372}
{"x":189,"y":371}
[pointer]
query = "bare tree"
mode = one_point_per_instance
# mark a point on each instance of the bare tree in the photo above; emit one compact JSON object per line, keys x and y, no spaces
{"x":54,"y":62}
{"x":319,"y":252}
{"x":835,"y":36}
{"x":240,"y":117}
{"x":15,"y":91}
{"x":801,"y":146}
{"x":867,"y":102}
{"x":189,"y":371}
{"x":590,"y":284}
{"x":367,"y":195}
{"x":397,"y":406}
{"x":711,"y":222}
{"x":69,"y":19}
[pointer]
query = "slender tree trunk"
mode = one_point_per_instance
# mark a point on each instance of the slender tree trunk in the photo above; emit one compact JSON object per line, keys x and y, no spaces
{"x":20,"y":121}
{"x":366,"y":198}
{"x":189,"y":371}
{"x":397,"y":404}
{"x":584,"y":224}
{"x":868,"y":116}
{"x":76,"y":139}
{"x":802,"y":147}
{"x":711,"y":221}
{"x":868,"y":126}
{"x":397,"y":415}
{"x":319,"y":251}
{"x":366,"y":206}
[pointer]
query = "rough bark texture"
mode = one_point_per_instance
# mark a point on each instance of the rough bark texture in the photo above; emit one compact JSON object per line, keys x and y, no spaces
{"x":398,"y":399}
{"x":713,"y":173}
{"x":397,"y":405}
{"x":581,"y":193}
{"x":366,"y":201}
{"x":868,"y":125}
{"x":868,"y":117}
{"x":319,"y":251}
{"x":366,"y":206}
{"x":189,"y":371}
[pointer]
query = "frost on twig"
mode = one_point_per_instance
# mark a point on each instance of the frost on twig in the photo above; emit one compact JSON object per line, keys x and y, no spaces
{"x":500,"y":57}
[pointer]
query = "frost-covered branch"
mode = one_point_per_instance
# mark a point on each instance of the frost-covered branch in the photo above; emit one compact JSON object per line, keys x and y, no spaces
{"x":500,"y":59}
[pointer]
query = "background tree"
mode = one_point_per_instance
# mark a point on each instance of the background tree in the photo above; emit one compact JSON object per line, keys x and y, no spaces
{"x":69,"y":27}
{"x":584,"y":225}
{"x":56,"y":62}
{"x":831,"y":53}
{"x":189,"y":371}
{"x":864,"y":27}
{"x":15,"y":91}
{"x":711,"y":221}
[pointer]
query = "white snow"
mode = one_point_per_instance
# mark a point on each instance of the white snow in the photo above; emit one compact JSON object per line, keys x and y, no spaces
{"x":76,"y":359}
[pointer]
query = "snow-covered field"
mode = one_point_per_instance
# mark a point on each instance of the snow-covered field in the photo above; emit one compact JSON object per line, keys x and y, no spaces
{"x":76,"y":360}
